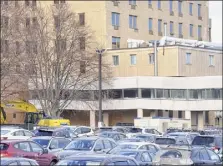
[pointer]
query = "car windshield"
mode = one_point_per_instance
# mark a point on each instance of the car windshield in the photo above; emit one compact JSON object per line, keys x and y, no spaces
{"x":80,"y":145}
{"x":85,"y":162}
{"x":127,"y":146}
{"x":149,"y":138}
{"x":43,"y":133}
{"x":181,"y":140}
{"x":207,"y":141}
{"x":132,"y":140}
{"x":165,"y":141}
{"x":127,"y":153}
{"x":43,"y":142}
{"x":4,"y":132}
{"x":135,"y":130}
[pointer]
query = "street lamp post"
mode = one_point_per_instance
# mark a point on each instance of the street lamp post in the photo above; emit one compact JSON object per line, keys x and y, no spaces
{"x":100,"y":52}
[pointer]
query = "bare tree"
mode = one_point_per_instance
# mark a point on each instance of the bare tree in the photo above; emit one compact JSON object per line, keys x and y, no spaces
{"x":58,"y":59}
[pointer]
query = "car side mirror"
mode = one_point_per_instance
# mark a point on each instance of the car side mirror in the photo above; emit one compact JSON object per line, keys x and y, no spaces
{"x":45,"y":151}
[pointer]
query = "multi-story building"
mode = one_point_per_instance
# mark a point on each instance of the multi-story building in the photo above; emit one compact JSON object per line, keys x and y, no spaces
{"x":114,"y":22}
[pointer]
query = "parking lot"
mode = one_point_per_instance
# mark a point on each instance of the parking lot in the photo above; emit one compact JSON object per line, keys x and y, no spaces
{"x":115,"y":145}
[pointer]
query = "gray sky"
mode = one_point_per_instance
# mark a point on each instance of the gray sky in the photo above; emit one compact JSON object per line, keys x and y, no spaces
{"x":215,"y":13}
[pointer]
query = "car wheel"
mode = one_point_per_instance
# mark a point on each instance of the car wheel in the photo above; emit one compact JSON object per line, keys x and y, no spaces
{"x":52,"y":163}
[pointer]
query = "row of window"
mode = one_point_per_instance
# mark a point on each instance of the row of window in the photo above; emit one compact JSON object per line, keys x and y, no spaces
{"x":29,"y":2}
{"x":184,"y":94}
{"x":133,"y":25}
{"x":171,"y":3}
{"x":115,"y":59}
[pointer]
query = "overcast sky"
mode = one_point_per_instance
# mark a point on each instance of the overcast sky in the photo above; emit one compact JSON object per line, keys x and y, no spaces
{"x":215,"y":13}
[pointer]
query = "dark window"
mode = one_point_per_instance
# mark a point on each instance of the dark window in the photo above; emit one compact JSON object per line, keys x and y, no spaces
{"x":178,"y":93}
{"x":159,"y":93}
{"x":62,"y":1}
{"x":130,"y":93}
{"x":85,"y":130}
{"x":3,"y":146}
{"x":17,"y":47}
{"x":5,"y":2}
{"x":18,"y":68}
{"x":24,"y":146}
{"x":115,"y":42}
{"x":160,"y":113}
{"x":5,"y":22}
{"x":36,"y":148}
{"x":82,"y":43}
{"x":170,"y":113}
{"x":82,"y":18}
{"x":5,"y":46}
{"x":28,"y":49}
{"x":180,"y":114}
{"x":193,"y":94}
{"x":147,"y":93}
{"x":115,"y":94}
{"x":206,"y":117}
{"x":207,"y":141}
{"x":145,"y":157}
{"x":82,"y":67}
{"x":56,"y":22}
{"x":34,"y":21}
{"x":63,"y":142}
{"x":172,"y":154}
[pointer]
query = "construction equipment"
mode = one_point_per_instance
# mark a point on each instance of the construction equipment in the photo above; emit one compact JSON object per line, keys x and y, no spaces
{"x":32,"y":115}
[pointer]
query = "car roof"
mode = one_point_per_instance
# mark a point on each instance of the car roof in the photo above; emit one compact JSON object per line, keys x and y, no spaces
{"x":12,"y":140}
{"x":113,"y":132}
{"x":136,"y":143}
{"x":96,"y":156}
{"x":46,"y":137}
{"x":13,"y":129}
{"x":15,"y":158}
{"x":88,"y":138}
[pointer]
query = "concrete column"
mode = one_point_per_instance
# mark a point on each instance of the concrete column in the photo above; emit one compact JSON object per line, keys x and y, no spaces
{"x":139,"y":113}
{"x":139,"y":93}
{"x":106,"y":119}
{"x":92,"y":119}
{"x":200,"y":124}
{"x":187,"y":115}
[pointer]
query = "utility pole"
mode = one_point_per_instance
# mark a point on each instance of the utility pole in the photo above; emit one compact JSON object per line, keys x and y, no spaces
{"x":100,"y":120}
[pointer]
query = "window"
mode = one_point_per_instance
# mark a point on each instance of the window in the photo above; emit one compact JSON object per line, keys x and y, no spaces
{"x":151,"y":58}
{"x":159,"y":4}
{"x":193,"y":94}
{"x":82,"y":67}
{"x":180,"y":114}
{"x":34,"y":21}
{"x":178,"y":94}
{"x":85,"y":130}
{"x":171,"y":5}
{"x":188,"y":58}
{"x":107,"y":144}
{"x":35,"y":47}
{"x":99,"y":145}
{"x":159,"y":26}
{"x":115,"y":42}
{"x":26,"y":2}
{"x":171,"y":27}
{"x":28,"y":46}
{"x":199,"y":10}
{"x":170,"y":113}
{"x":130,"y":93}
{"x":82,"y":43}
{"x":115,"y":19}
{"x":132,"y":22}
{"x":27,"y":22}
{"x":14,"y":115}
{"x":147,"y":93}
{"x":206,"y":117}
{"x":145,"y":157}
{"x":33,"y":3}
{"x":56,"y":22}
{"x":191,"y":8}
{"x":63,"y":142}
{"x":160,"y":113}
{"x":36,"y":148}
{"x":29,"y":134}
{"x":150,"y":24}
{"x":82,"y":18}
{"x":115,"y":60}
{"x":159,"y":93}
{"x":14,"y":163}
{"x":180,"y":28}
{"x":132,"y":2}
{"x":24,"y":146}
{"x":191,"y":30}
{"x":211,"y":60}
{"x":180,"y":6}
{"x":60,"y":45}
{"x":199,"y":31}
{"x":133,"y":59}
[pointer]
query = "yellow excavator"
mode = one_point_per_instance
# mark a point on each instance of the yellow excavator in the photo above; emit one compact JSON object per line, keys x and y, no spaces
{"x":32,"y":115}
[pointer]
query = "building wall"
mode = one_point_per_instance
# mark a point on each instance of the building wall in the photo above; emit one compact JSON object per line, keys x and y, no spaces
{"x":98,"y":17}
{"x":200,"y":62}
{"x":171,"y":62}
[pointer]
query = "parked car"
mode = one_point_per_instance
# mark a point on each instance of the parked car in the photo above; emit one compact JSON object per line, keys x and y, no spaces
{"x":151,"y":131}
{"x":213,"y":142}
{"x":15,"y":133}
{"x":103,"y":160}
{"x":137,"y":146}
{"x":15,"y":161}
{"x":116,"y":136}
{"x":64,"y":132}
{"x":44,"y":131}
{"x":143,"y":157}
{"x":132,"y":131}
{"x":27,"y":149}
{"x":187,"y":135}
{"x":52,"y":144}
{"x":86,"y":145}
{"x":132,"y":140}
{"x":80,"y":130}
{"x":146,"y":137}
{"x":165,"y":141}
{"x":180,"y":156}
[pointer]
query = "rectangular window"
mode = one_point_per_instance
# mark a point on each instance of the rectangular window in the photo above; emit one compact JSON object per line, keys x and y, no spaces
{"x":132,"y":22}
{"x":159,"y":4}
{"x":82,"y":43}
{"x":159,"y":93}
{"x":191,"y":8}
{"x":199,"y":31}
{"x":133,"y":59}
{"x":82,"y":18}
{"x":115,"y":59}
{"x":160,"y":113}
{"x":193,"y":94}
{"x":180,"y":6}
{"x":178,"y":94}
{"x":151,"y":58}
{"x":199,"y":10}
{"x":180,"y":28}
{"x":188,"y":58}
{"x":132,"y":2}
{"x":82,"y":67}
{"x":130,"y":93}
{"x":170,"y":114}
{"x":115,"y":42}
{"x":211,"y":60}
{"x":180,"y":114}
{"x":171,"y":27}
{"x":115,"y":19}
{"x":159,"y":26}
{"x":150,"y":24}
{"x":191,"y":30}
{"x":171,"y":5}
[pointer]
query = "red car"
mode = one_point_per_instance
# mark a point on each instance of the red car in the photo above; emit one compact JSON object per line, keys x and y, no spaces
{"x":27,"y":149}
